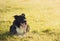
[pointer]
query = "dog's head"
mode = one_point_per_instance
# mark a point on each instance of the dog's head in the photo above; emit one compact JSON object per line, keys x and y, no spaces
{"x":21,"y":18}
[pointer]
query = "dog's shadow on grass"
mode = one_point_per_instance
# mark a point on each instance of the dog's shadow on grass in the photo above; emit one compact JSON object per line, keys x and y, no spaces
{"x":4,"y":36}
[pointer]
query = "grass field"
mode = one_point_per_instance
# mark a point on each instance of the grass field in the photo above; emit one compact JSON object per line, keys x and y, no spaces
{"x":43,"y":17}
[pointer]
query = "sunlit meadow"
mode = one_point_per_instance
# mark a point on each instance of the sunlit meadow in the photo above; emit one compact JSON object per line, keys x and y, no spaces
{"x":43,"y":17}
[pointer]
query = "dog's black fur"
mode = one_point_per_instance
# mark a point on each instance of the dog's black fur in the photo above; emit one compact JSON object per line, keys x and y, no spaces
{"x":17,"y":22}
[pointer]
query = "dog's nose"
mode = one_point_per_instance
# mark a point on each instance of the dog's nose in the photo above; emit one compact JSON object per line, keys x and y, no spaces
{"x":25,"y":20}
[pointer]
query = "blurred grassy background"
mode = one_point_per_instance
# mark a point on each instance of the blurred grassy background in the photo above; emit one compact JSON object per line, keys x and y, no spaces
{"x":43,"y":16}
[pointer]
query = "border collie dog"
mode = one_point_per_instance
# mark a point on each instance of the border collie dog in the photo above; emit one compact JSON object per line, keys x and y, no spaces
{"x":19,"y":25}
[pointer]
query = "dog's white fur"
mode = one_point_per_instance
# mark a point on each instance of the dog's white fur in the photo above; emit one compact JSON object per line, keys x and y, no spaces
{"x":21,"y":29}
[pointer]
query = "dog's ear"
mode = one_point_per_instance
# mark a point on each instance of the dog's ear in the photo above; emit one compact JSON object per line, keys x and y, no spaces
{"x":23,"y":14}
{"x":16,"y":16}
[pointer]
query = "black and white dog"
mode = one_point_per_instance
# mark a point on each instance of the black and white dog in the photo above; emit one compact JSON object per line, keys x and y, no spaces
{"x":19,"y":25}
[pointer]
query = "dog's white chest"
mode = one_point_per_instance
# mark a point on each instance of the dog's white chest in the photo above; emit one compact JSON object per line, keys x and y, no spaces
{"x":19,"y":30}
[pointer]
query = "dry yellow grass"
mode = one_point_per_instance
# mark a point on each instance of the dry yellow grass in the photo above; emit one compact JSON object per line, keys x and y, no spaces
{"x":43,"y":16}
